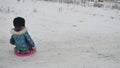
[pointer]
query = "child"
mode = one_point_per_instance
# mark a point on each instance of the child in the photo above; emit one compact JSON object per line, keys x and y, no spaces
{"x":20,"y":37}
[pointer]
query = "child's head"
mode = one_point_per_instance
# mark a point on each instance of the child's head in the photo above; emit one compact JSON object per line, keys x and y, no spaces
{"x":19,"y":22}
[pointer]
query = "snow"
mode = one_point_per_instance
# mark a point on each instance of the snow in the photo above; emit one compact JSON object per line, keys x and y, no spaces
{"x":66,"y":36}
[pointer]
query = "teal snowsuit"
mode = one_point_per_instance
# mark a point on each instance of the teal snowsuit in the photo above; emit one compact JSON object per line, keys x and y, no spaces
{"x":22,"y":41}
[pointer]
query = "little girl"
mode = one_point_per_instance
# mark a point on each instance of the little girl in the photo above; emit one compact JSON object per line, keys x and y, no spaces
{"x":20,"y":37}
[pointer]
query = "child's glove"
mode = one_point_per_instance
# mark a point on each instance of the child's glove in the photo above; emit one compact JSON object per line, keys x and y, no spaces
{"x":34,"y":48}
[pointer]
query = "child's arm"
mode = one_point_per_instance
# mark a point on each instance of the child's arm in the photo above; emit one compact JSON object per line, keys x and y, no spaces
{"x":29,"y":39}
{"x":12,"y":41}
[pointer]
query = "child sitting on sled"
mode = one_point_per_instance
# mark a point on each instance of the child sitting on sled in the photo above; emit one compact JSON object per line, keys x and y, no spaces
{"x":20,"y":37}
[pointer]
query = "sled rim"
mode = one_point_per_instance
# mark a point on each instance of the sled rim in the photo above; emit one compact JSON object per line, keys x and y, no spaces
{"x":25,"y":55}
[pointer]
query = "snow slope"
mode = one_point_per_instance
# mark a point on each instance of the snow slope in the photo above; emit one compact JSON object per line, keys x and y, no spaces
{"x":66,"y":36}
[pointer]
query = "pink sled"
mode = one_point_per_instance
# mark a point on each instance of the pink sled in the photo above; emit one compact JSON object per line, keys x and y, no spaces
{"x":23,"y":55}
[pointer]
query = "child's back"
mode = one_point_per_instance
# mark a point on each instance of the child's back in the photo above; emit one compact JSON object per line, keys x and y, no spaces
{"x":20,"y":37}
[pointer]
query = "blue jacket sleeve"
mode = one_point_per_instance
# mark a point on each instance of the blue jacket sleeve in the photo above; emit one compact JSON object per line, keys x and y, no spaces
{"x":29,"y":39}
{"x":12,"y":41}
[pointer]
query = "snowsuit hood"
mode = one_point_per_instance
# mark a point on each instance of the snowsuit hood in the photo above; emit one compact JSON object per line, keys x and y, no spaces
{"x":19,"y":32}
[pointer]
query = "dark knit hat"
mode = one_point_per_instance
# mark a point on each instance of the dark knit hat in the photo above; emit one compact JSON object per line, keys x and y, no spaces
{"x":19,"y":22}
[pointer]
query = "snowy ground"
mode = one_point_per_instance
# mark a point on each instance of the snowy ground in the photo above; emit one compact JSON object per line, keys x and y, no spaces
{"x":66,"y":36}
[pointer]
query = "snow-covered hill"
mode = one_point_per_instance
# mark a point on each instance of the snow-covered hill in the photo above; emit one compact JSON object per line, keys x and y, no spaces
{"x":66,"y":36}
